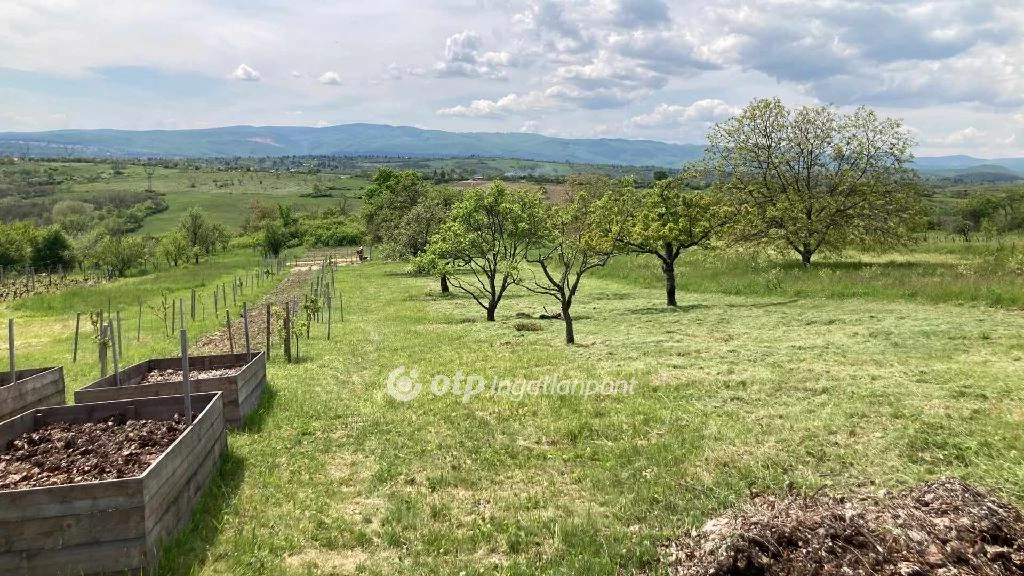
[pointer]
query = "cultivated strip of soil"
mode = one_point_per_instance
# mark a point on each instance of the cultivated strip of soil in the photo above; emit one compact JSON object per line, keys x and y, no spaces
{"x":66,"y":453}
{"x":943,"y":528}
{"x":172,"y":375}
{"x":291,"y":289}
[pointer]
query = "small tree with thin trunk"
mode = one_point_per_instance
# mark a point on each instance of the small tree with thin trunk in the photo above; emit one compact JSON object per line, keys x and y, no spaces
{"x":575,"y":240}
{"x":665,"y":221}
{"x":482,"y":243}
{"x":815,"y":179}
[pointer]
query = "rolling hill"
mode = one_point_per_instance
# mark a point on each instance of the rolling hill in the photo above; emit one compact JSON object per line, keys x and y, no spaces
{"x":384,"y":140}
{"x":343,"y":140}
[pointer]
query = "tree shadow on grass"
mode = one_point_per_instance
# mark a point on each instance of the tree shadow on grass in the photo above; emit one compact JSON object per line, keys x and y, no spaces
{"x":764,"y":304}
{"x":189,"y":551}
{"x":657,"y":310}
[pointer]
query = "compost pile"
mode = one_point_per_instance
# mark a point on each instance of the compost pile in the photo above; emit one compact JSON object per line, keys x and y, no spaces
{"x":172,"y":375}
{"x":943,"y":528}
{"x":66,"y":453}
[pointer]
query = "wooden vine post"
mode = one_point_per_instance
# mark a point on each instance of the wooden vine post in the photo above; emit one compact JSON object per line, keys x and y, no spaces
{"x":245,"y":325}
{"x":186,"y":387}
{"x":231,"y":336}
{"x":268,"y":331}
{"x":114,"y":353}
{"x":287,"y":333}
{"x":78,"y":323}
{"x":10,"y":350}
{"x":103,"y":350}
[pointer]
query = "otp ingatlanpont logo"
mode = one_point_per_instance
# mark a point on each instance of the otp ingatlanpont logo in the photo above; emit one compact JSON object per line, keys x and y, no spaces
{"x":403,"y":387}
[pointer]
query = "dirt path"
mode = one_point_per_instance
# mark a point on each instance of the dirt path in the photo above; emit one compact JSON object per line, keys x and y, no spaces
{"x":292,"y":289}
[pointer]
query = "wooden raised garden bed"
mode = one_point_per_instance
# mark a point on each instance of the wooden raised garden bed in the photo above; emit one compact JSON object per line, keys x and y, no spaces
{"x":106,"y":526}
{"x":32,"y":388}
{"x":241,"y":381}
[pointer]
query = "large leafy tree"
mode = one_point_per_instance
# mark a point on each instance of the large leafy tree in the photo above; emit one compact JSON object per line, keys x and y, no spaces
{"x":574,"y":240}
{"x":665,"y":221}
{"x":816,"y":179}
{"x":484,"y":240}
{"x":388,"y":199}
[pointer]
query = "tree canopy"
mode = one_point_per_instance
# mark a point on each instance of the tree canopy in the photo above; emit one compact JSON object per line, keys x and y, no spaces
{"x":665,"y":221}
{"x":814,"y":178}
{"x":484,"y":239}
{"x":573,"y":240}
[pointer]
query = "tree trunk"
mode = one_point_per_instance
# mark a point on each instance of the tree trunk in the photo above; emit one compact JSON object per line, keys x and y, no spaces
{"x":570,"y":335}
{"x":491,"y":308}
{"x":805,"y":257}
{"x":669,"y":267}
{"x":444,"y":284}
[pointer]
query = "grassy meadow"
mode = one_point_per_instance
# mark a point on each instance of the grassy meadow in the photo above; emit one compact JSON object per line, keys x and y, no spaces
{"x":223,"y":195}
{"x":735,"y":392}
{"x":865,"y":372}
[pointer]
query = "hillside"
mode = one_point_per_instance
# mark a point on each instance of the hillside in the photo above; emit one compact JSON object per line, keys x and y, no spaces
{"x":347,"y":140}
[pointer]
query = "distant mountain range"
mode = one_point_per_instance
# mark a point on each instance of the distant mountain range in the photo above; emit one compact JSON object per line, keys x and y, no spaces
{"x":344,"y":140}
{"x":383,"y":140}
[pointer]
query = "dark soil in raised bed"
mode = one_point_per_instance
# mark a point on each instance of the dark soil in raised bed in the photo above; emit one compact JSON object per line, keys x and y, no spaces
{"x":72,"y":453}
{"x":175,"y":375}
{"x":943,"y":528}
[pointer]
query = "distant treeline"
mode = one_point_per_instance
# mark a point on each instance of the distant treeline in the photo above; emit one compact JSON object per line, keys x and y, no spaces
{"x":440,"y":170}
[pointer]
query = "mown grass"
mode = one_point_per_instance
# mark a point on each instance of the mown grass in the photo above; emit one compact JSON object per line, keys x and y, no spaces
{"x":734,"y":393}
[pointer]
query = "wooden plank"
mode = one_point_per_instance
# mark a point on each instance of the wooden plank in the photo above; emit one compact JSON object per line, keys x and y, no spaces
{"x":206,"y":385}
{"x":177,"y":464}
{"x":68,"y":499}
{"x":5,"y":377}
{"x":159,"y":408}
{"x":74,"y":530}
{"x":103,"y":558}
{"x":31,"y":391}
{"x":16,"y":426}
{"x":177,"y":512}
{"x":253,"y":397}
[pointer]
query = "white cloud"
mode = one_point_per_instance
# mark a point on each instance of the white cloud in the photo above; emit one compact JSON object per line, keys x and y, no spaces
{"x":511,"y":104}
{"x":703,"y":111}
{"x":530,"y":127}
{"x":463,"y":56}
{"x":330,"y":78}
{"x":972,"y":137}
{"x":246,"y":74}
{"x":395,"y":72}
{"x":627,"y":68}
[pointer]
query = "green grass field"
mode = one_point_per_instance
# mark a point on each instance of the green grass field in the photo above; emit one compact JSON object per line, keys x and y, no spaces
{"x":734,"y":393}
{"x":45,"y":324}
{"x":834,"y":378}
{"x":224,"y":195}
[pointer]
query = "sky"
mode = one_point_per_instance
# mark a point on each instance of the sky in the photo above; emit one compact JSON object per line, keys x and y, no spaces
{"x":667,"y":70}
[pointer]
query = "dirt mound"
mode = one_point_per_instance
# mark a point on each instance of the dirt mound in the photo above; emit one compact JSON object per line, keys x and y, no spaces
{"x":72,"y":453}
{"x":944,"y":528}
